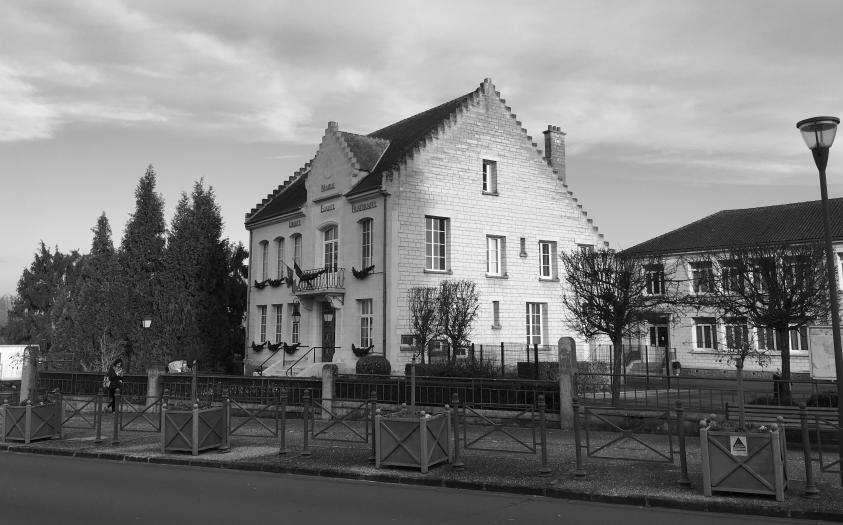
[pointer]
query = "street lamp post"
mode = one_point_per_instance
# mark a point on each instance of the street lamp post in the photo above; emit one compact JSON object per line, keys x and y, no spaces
{"x":819,"y":133}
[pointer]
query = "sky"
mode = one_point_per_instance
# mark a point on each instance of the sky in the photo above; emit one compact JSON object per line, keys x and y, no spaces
{"x":673,"y":110}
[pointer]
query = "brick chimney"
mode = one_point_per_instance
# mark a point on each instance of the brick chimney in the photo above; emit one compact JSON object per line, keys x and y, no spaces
{"x":554,"y":150}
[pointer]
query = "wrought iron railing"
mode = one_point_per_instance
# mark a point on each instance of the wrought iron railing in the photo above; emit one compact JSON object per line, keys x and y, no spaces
{"x":320,"y":280}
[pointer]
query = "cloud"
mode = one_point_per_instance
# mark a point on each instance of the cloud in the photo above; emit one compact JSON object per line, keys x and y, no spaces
{"x":22,"y":115}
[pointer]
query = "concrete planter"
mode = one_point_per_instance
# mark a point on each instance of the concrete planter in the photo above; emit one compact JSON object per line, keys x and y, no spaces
{"x":417,"y":442}
{"x":195,"y":430}
{"x":745,"y":462}
{"x":30,"y":422}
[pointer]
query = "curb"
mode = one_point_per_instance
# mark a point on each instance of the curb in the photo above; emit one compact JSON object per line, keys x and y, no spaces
{"x":395,"y":478}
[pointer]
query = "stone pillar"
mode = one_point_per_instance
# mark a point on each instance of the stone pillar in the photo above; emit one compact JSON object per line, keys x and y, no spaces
{"x":29,"y":373}
{"x":153,"y":385}
{"x":567,"y":368}
{"x":329,"y":373}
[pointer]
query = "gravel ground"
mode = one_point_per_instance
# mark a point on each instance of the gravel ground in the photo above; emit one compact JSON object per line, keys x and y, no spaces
{"x":631,"y":480}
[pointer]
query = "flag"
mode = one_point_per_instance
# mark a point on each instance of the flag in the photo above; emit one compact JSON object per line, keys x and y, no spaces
{"x":299,"y":273}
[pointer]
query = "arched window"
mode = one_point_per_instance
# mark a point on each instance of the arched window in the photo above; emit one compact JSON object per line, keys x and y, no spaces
{"x":279,"y":256}
{"x":331,"y":246}
{"x":296,"y":238}
{"x":264,"y":259}
{"x":366,"y":243}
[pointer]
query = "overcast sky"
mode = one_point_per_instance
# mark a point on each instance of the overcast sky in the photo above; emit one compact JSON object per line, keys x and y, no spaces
{"x":673,"y":109}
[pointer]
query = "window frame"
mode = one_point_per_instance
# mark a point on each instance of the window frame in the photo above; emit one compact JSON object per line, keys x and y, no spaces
{"x":735,"y":324}
{"x":498,"y":251}
{"x":367,"y":244}
{"x":264,"y":260}
{"x":331,"y":247}
{"x":261,"y":323}
{"x":496,"y":314}
{"x":295,"y":324}
{"x":436,"y":244}
{"x":490,"y":177}
{"x":279,"y":322}
{"x":550,"y":264}
{"x":701,"y":273}
{"x":297,"y":248}
{"x":655,"y":279}
{"x":533,"y":311}
{"x":705,"y":334}
{"x":367,"y":321}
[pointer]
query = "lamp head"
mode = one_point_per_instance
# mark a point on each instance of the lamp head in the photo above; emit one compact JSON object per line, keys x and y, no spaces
{"x":818,"y":132}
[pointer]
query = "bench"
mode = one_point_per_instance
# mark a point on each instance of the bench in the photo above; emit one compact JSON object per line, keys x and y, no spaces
{"x":821,"y":418}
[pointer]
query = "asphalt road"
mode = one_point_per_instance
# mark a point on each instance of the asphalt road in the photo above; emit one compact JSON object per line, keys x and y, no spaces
{"x":45,"y":490}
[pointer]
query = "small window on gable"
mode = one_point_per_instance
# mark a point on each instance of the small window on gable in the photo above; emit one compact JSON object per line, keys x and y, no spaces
{"x":490,"y":177}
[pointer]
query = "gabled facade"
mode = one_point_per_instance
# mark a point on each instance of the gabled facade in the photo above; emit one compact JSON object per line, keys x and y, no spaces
{"x":457,"y":192}
{"x":693,"y":336}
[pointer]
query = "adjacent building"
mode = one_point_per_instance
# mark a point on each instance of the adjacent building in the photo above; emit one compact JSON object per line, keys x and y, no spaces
{"x":692,"y":337}
{"x":459,"y":191}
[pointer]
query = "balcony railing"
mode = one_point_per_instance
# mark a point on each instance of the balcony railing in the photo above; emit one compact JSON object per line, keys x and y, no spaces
{"x":320,"y":280}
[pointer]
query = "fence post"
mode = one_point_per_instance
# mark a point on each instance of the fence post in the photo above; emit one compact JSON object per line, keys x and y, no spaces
{"x":27,"y":424}
{"x":3,"y":420}
{"x":282,"y":432}
{"x":373,"y":407}
{"x":567,"y":361}
{"x":226,"y":438}
{"x":810,"y":487}
{"x":329,"y":375}
{"x":455,"y":404}
{"x":536,"y":361}
{"x":165,"y":400}
{"x":59,"y":433}
{"x":195,"y":430}
{"x":425,"y":458}
{"x":473,"y":357}
{"x":193,"y":379}
{"x":481,"y":353}
{"x":377,"y":439}
{"x":503,"y":365}
{"x":683,"y":456}
{"x":164,"y":422}
{"x":98,"y":415}
{"x":305,"y":417}
{"x":115,"y":438}
{"x":153,"y":385}
{"x":544,"y":470}
{"x":578,"y":472}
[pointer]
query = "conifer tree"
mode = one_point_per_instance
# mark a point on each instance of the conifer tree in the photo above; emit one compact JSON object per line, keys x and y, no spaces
{"x":141,"y":260}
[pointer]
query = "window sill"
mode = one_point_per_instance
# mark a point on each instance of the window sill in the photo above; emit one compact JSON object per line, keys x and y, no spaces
{"x":492,"y":276}
{"x":446,"y":272}
{"x":549,"y":279}
{"x":491,"y":193}
{"x":496,"y":327}
{"x":522,"y":254}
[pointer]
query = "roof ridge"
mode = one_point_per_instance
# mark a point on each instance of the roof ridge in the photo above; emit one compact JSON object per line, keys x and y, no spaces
{"x":281,"y":187}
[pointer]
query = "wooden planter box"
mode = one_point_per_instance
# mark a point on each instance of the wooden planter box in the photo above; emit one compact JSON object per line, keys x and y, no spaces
{"x":747,"y":462}
{"x":418,"y":442}
{"x":30,"y":422}
{"x":195,"y":430}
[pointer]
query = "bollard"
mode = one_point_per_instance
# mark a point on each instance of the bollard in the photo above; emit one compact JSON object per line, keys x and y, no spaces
{"x":195,"y":430}
{"x":193,"y":382}
{"x":373,"y":407}
{"x":165,"y":403}
{"x":3,"y":420}
{"x":98,"y":415}
{"x":683,"y":456}
{"x":377,"y":439}
{"x":305,"y":418}
{"x":455,"y":403}
{"x":578,"y":472}
{"x":282,"y":432}
{"x":28,"y":422}
{"x":425,"y":459}
{"x":115,"y":438}
{"x":811,"y":490}
{"x":226,"y":438}
{"x":544,"y":470}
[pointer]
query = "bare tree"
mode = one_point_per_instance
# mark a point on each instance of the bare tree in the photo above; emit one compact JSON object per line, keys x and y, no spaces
{"x":424,"y":317}
{"x":458,"y":305}
{"x":777,"y":289}
{"x":609,"y":292}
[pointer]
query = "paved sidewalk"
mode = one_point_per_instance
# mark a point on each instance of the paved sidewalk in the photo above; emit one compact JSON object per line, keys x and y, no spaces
{"x":632,"y":482}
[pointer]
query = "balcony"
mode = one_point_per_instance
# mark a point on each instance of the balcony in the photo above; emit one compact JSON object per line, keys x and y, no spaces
{"x":319,"y":281}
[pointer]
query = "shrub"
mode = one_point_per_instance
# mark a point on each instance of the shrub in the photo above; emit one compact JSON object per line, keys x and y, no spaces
{"x":462,"y":368}
{"x":593,"y":376}
{"x":823,"y":399}
{"x":373,"y":365}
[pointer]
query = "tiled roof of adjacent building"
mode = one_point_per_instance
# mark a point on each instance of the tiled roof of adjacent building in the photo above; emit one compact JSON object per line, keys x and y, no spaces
{"x":294,"y":195}
{"x":768,"y":225}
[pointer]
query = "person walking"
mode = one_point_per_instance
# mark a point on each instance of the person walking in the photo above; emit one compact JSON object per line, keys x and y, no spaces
{"x":115,"y":381}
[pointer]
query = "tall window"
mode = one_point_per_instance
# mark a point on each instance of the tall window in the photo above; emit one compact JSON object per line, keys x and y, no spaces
{"x":494,"y":256}
{"x":706,"y":333}
{"x":331,"y":246}
{"x":655,"y":279}
{"x":292,"y":308}
{"x":547,"y":261}
{"x":766,"y":338}
{"x":799,"y":338}
{"x":737,"y":334}
{"x":264,"y":259}
{"x":730,"y":276}
{"x":279,"y":322}
{"x":262,"y":326}
{"x":366,"y":242}
{"x":490,"y":176}
{"x":435,"y":242}
{"x":366,"y":321}
{"x":297,"y":249}
{"x":536,"y":316}
{"x":762,"y":271}
{"x":702,"y":278}
{"x":279,"y":252}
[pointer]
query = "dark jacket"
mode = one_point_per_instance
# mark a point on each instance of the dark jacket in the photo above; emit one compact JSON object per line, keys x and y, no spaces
{"x":115,"y":379}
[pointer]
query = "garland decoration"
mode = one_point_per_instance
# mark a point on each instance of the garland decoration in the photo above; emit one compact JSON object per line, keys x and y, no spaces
{"x":275,"y":283}
{"x":291,"y":349}
{"x":362,"y":274}
{"x":261,"y":285}
{"x":258,"y":347}
{"x":307,"y":277}
{"x":360,"y":351}
{"x":274,"y":347}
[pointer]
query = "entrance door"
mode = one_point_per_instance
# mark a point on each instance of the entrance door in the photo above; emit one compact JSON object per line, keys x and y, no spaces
{"x":658,"y":335}
{"x":329,"y":334}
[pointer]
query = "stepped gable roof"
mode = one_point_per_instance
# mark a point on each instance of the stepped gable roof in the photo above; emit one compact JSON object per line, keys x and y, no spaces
{"x":366,"y":150}
{"x":403,"y":137}
{"x":768,"y":225}
{"x":295,"y":195}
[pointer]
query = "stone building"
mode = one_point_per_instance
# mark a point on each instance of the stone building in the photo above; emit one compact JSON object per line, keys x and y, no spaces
{"x":459,"y":191}
{"x":692,"y":336}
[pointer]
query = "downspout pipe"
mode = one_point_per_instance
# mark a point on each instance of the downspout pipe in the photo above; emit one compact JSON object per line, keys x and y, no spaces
{"x":385,"y":309}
